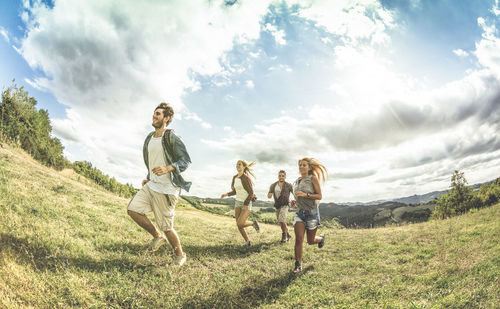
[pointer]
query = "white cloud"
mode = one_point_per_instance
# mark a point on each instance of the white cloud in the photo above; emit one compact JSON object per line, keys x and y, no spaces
{"x":353,"y":20}
{"x":460,"y":53}
{"x":193,"y":116}
{"x":496,"y":8}
{"x":279,"y":35}
{"x":111,"y":64}
{"x":4,"y":34}
{"x":387,"y":130}
{"x":487,"y":48}
{"x":250,"y":84}
{"x":281,"y":67}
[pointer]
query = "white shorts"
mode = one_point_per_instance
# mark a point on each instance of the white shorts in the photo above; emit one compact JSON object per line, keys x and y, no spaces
{"x":240,"y":204}
{"x":163,"y":208}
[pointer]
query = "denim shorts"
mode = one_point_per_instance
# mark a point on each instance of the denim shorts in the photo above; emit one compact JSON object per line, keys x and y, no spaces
{"x":239,"y":204}
{"x":309,"y":217}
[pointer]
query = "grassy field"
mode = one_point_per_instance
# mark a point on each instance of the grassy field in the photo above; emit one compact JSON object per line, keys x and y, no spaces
{"x":67,"y":243}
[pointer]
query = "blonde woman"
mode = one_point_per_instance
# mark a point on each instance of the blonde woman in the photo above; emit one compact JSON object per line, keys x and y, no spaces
{"x":242,"y":187}
{"x":307,"y":192}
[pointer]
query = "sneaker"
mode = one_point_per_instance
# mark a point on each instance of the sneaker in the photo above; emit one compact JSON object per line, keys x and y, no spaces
{"x":180,"y":260}
{"x":157,"y":243}
{"x":298,"y":267}
{"x":322,"y":241}
{"x":246,"y":244}
{"x":288,"y":236}
{"x":284,"y":238}
{"x":256,"y":225}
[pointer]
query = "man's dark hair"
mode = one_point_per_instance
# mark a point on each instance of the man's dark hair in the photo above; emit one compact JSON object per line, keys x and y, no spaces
{"x":167,"y":111}
{"x":282,"y":171}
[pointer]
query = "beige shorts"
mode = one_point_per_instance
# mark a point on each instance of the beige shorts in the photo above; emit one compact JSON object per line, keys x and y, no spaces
{"x":163,"y":208}
{"x":282,"y":213}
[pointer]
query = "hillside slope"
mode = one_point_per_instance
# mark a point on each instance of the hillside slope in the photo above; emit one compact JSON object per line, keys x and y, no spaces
{"x":67,"y":243}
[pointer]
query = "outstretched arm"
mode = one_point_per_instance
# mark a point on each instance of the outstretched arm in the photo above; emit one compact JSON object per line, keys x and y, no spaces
{"x":231,"y":192}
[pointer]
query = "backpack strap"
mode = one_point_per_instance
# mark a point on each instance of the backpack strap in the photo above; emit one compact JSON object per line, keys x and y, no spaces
{"x":166,"y":137}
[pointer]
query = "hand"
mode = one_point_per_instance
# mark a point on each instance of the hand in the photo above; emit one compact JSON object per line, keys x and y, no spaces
{"x":301,"y":194}
{"x":294,"y":204}
{"x":223,"y":195}
{"x":269,"y":195}
{"x":162,"y":170}
{"x":145,"y":181}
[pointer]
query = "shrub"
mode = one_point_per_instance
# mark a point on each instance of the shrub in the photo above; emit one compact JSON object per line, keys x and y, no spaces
{"x":23,"y":125}
{"x":462,"y":198}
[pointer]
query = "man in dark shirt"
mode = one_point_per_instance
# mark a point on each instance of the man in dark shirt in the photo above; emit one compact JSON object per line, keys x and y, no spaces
{"x":281,"y":191}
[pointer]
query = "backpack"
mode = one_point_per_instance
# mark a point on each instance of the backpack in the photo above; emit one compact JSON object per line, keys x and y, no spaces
{"x":166,"y":136}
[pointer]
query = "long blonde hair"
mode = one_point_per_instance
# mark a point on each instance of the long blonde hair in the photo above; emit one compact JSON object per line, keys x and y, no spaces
{"x":316,"y":168}
{"x":247,"y":168}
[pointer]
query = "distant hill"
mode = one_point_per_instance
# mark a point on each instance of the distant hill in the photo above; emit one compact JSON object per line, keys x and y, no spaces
{"x":366,"y":216}
{"x":415,"y":199}
{"x":409,"y":209}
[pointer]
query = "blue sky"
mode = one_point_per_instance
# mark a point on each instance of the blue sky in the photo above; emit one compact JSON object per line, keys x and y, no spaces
{"x":392,"y":96}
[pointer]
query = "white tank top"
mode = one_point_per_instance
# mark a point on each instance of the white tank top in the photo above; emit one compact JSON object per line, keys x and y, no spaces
{"x":241,"y":193}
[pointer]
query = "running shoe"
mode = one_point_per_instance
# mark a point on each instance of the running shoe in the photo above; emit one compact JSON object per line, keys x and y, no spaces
{"x":298,"y":267}
{"x":322,"y":241}
{"x":157,"y":243}
{"x":284,"y":238}
{"x":256,"y":225}
{"x":180,"y":260}
{"x":246,"y":244}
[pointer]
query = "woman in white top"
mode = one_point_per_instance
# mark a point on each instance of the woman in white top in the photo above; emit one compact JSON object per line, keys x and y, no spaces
{"x":242,"y":187}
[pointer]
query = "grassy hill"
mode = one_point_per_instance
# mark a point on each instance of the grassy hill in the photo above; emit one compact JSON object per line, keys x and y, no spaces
{"x":65,"y":242}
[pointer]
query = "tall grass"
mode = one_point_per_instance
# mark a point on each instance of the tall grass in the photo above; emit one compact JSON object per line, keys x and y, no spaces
{"x":67,"y":243}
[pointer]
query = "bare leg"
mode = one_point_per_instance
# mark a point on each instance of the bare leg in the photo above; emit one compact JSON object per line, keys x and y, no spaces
{"x":144,"y":222}
{"x":174,"y":241}
{"x":284,"y":228}
{"x":299,"y":229}
{"x":241,"y":215}
{"x":312,"y":238}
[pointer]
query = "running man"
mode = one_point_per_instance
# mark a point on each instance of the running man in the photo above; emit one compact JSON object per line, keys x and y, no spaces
{"x":165,"y":156}
{"x":281,"y":191}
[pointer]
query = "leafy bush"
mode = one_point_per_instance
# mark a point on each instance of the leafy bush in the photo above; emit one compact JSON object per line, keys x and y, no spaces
{"x":23,"y":125}
{"x":462,"y":198}
{"x":85,"y":168}
{"x":489,"y":194}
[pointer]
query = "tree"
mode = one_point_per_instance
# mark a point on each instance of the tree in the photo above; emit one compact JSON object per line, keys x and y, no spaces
{"x":489,"y":194}
{"x":459,"y":199}
{"x":23,"y":125}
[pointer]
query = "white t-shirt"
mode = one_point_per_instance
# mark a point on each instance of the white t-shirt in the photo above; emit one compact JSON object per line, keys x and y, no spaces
{"x":277,"y":190}
{"x":161,"y":184}
{"x":241,"y":193}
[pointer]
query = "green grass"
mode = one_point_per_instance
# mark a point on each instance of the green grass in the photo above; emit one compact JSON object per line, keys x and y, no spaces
{"x":67,"y":243}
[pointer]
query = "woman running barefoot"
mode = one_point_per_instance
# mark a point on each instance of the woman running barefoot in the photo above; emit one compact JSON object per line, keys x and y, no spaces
{"x":242,"y":187}
{"x":307,"y":193}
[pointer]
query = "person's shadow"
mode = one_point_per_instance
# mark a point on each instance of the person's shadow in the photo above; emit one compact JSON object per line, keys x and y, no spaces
{"x":250,"y":296}
{"x":49,"y":257}
{"x":226,"y":250}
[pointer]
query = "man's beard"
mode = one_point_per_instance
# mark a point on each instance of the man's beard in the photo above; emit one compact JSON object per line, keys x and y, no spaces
{"x":157,"y":124}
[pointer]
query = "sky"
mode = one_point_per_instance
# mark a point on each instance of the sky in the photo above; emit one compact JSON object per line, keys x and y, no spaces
{"x":391,"y":96}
